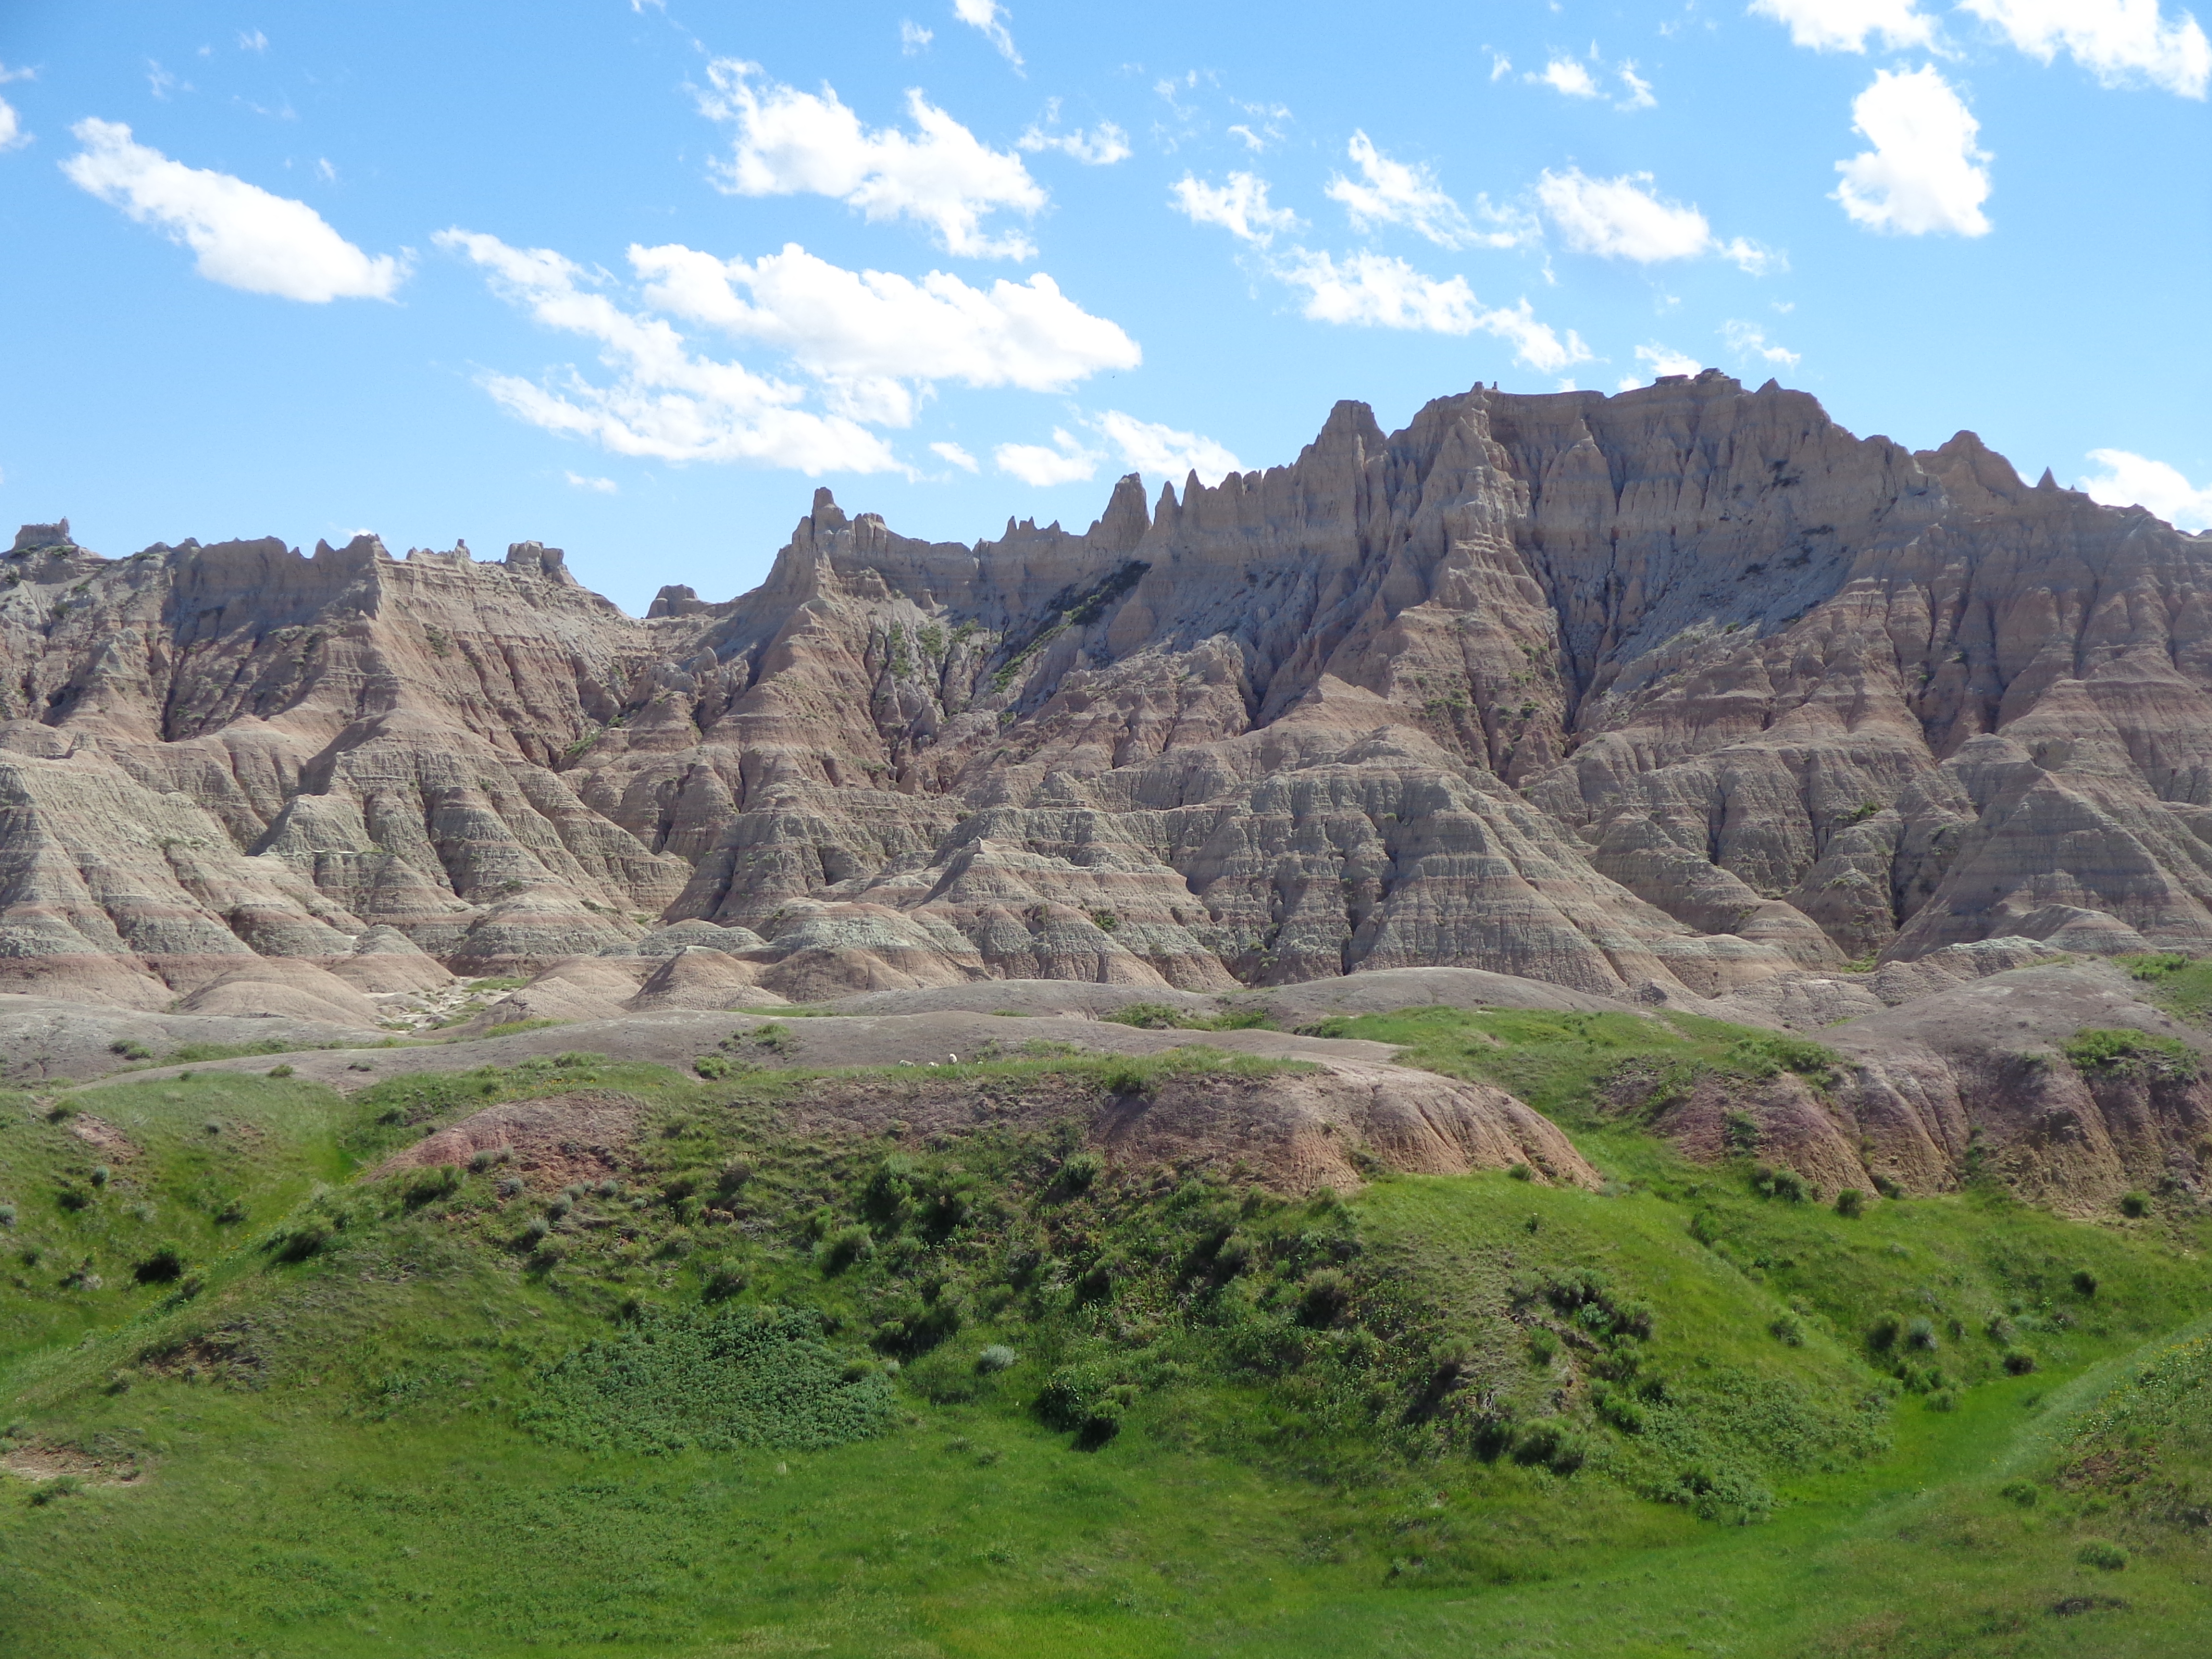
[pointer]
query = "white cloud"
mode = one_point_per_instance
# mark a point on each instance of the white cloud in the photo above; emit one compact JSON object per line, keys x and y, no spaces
{"x":959,"y":457}
{"x":2132,"y":480}
{"x":1374,"y":291}
{"x":1749,"y":340}
{"x":1391,"y":192}
{"x":597,"y":486}
{"x":913,"y":37}
{"x":161,"y":83}
{"x":245,"y":237}
{"x":1100,"y":149}
{"x":1500,"y":66}
{"x":1239,"y":207}
{"x":1658,"y":360}
{"x":256,"y":41}
{"x":2119,"y":41}
{"x":872,"y":336}
{"x":1264,"y":129}
{"x":325,"y":171}
{"x":1844,"y":25}
{"x":990,"y":17}
{"x":1161,"y":451}
{"x":1639,"y":94}
{"x":792,"y":142}
{"x":1566,"y":77}
{"x":1067,"y":462}
{"x":665,"y":402}
{"x":1622,"y":218}
{"x":1924,"y":173}
{"x":11,"y":129}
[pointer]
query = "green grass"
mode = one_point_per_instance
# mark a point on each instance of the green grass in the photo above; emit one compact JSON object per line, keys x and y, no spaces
{"x":732,"y":1398}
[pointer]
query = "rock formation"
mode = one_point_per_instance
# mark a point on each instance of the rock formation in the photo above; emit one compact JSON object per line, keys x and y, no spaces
{"x":1683,"y":693}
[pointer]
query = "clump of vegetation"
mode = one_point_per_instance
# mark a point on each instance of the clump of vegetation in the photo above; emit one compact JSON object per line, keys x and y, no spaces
{"x":2125,"y":1052}
{"x":714,"y":1380}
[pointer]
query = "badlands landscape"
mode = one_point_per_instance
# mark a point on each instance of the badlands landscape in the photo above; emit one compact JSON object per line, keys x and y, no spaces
{"x":1582,"y":1027}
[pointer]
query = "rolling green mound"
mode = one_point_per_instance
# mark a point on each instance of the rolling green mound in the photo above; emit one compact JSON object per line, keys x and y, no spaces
{"x":642,"y":1371}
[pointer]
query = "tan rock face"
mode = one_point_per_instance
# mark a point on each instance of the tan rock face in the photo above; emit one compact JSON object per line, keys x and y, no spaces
{"x":1682,"y":692}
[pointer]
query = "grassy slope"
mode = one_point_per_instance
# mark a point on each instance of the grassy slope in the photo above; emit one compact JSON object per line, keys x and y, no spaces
{"x":347,"y":1474}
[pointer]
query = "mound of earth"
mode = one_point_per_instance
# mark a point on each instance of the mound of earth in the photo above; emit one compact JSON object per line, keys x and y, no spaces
{"x":1293,"y":1132}
{"x":1978,"y":1078}
{"x":46,"y":1040}
{"x":550,"y":1142}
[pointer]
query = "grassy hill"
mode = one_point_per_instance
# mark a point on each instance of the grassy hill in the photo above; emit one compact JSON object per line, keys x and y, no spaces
{"x":708,"y":1388}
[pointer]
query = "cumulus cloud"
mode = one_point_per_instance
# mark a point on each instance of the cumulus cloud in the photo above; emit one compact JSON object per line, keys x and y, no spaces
{"x":1656,"y":361}
{"x":1566,"y":77}
{"x":913,"y":37}
{"x":1097,"y":149}
{"x":876,"y":340}
{"x":1845,"y":25}
{"x":245,"y":237}
{"x":1924,"y":173}
{"x":1373,"y":290}
{"x":1748,"y":340}
{"x":665,"y":401}
{"x":596,"y":486}
{"x":11,"y":128}
{"x":2132,"y":480}
{"x":1392,"y":192}
{"x":1163,"y":451}
{"x":1625,"y":218}
{"x":2120,"y":42}
{"x":793,"y":143}
{"x":1638,"y":93}
{"x":989,"y":18}
{"x":1066,"y":462}
{"x":1239,"y":207}
{"x":959,"y":457}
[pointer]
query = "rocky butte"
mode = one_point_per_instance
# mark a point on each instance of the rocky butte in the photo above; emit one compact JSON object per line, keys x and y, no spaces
{"x":1682,"y":695}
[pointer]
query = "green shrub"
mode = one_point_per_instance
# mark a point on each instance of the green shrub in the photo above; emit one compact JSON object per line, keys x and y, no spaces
{"x":1739,"y":1132}
{"x":1851,"y":1204}
{"x":310,"y":1238}
{"x":1147,"y":1015}
{"x":1782,"y":1184}
{"x":995,"y":1358}
{"x":2125,"y":1051}
{"x":429,"y":1186}
{"x":722,"y":1284}
{"x":280,"y":1071}
{"x":2134,"y":1205}
{"x":1920,"y":1336}
{"x":713,"y":1066}
{"x":1769,"y":1055}
{"x":1543,"y":1346}
{"x":845,"y":1246}
{"x":2084,"y":1282}
{"x":165,"y":1266}
{"x":1789,"y":1330}
{"x":2022,"y":1492}
{"x":1324,"y":1297}
{"x":2102,"y":1554}
{"x":1882,"y":1336}
{"x":1078,"y":1174}
{"x":1521,"y":1172}
{"x":2019,"y":1361}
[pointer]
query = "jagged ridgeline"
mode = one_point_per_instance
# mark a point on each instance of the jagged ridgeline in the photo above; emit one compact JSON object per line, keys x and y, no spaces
{"x":1671,"y":694}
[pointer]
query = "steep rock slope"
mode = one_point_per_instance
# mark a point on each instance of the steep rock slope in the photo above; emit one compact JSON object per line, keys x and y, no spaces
{"x":1685,"y":691}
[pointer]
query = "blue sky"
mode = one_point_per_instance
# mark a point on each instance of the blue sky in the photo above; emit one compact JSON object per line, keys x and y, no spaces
{"x":632,"y":278}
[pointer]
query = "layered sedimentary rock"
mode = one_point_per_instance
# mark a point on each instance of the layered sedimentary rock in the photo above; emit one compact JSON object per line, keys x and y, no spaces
{"x":1676,"y":694}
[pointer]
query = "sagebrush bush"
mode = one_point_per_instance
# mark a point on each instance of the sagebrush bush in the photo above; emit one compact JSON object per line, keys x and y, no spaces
{"x":1920,"y":1336}
{"x":1851,"y":1204}
{"x":995,"y":1358}
{"x":845,"y":1246}
{"x":1789,"y":1330}
{"x":2103,"y":1554}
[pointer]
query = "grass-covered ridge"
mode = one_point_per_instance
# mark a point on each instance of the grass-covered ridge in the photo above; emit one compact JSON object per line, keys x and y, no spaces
{"x":986,"y":1393}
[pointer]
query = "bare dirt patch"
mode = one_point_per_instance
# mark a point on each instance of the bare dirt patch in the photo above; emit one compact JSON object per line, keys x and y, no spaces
{"x":41,"y":1460}
{"x":549,"y":1142}
{"x":99,"y":1132}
